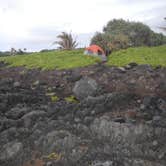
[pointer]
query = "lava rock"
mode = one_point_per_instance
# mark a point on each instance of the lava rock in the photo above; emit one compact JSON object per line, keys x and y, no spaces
{"x":11,"y":154}
{"x":85,"y":87}
{"x":162,"y":105}
{"x":16,"y":84}
{"x":16,"y":112}
{"x":102,"y":163}
{"x":30,"y":118}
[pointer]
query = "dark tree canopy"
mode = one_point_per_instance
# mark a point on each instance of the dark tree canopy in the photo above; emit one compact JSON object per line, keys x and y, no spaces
{"x":119,"y":33}
{"x":164,"y":27}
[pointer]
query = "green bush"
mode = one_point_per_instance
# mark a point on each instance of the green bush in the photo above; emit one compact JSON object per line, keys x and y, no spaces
{"x":119,"y":34}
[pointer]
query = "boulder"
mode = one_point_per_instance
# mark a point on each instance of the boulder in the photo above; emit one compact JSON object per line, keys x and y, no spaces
{"x":16,"y":112}
{"x":138,"y":138}
{"x":61,"y":140}
{"x":16,"y":84}
{"x":162,"y":105}
{"x":85,"y":87}
{"x":11,"y":154}
{"x":102,"y":163}
{"x":32,"y":117}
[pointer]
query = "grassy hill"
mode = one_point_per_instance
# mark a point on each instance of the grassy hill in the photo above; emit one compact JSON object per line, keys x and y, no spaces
{"x":51,"y":60}
{"x":141,"y":55}
{"x":71,"y":59}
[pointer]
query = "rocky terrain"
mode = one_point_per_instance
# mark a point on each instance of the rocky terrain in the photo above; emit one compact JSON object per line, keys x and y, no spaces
{"x":93,"y":116}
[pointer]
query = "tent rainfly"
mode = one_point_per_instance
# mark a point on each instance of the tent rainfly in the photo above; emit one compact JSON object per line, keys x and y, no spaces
{"x":95,"y":50}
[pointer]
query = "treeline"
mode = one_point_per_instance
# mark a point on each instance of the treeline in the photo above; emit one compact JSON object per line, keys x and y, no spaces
{"x":5,"y":53}
{"x":118,"y":34}
{"x":13,"y":51}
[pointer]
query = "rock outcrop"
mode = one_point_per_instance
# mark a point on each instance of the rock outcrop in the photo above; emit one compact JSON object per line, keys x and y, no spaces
{"x":85,"y":87}
{"x":113,"y":125}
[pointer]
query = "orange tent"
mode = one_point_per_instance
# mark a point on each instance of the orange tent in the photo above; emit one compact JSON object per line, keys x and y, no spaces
{"x":95,"y":49}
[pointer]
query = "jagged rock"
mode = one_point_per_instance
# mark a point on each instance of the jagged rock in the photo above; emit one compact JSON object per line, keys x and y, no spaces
{"x":121,"y":136}
{"x":85,"y":87}
{"x":162,"y":105}
{"x":147,"y":100}
{"x":162,"y":86}
{"x":16,"y":112}
{"x":143,"y":68}
{"x":11,"y":154}
{"x":133,"y":64}
{"x":102,"y":163}
{"x":58,"y":140}
{"x":16,"y":84}
{"x":30,"y":118}
{"x":74,"y":76}
{"x":6,"y":123}
{"x":91,"y":131}
{"x":128,"y":67}
{"x":119,"y":120}
{"x":122,"y":69}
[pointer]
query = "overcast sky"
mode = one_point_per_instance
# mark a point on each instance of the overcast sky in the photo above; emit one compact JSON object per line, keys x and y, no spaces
{"x":34,"y":24}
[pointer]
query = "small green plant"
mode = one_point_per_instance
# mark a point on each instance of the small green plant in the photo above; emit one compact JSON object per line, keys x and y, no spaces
{"x":54,"y":156}
{"x":54,"y":98}
{"x":71,"y":99}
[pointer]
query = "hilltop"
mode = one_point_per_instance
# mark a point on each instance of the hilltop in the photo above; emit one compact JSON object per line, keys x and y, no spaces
{"x":154,"y":56}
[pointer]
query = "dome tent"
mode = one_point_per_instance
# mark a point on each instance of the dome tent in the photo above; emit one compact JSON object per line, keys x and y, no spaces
{"x":95,"y":50}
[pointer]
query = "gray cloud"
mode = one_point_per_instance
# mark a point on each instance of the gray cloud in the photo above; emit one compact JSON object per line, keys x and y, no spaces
{"x":42,"y":38}
{"x":41,"y":32}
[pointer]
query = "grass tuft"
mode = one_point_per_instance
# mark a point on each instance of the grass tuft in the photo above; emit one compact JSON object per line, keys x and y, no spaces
{"x":71,"y":99}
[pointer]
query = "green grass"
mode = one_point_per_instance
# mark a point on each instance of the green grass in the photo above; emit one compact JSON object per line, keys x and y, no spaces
{"x":51,"y":60}
{"x":72,"y":59}
{"x":141,"y":55}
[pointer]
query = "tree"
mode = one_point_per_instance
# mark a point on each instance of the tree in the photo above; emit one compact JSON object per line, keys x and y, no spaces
{"x":13,"y":51}
{"x":66,"y":41}
{"x":137,"y":32}
{"x":164,"y":28}
{"x":107,"y":42}
{"x":119,"y":33}
{"x":119,"y":41}
{"x":20,"y":51}
{"x":101,"y":40}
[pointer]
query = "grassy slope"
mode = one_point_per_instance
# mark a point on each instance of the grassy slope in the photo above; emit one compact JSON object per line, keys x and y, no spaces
{"x":52,"y":60}
{"x":72,"y":59}
{"x":142,"y":55}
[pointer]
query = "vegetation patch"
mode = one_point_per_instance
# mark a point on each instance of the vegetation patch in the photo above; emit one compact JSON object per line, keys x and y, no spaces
{"x":71,"y":99}
{"x":53,"y":156}
{"x":154,"y":56}
{"x":54,"y":98}
{"x":51,"y":60}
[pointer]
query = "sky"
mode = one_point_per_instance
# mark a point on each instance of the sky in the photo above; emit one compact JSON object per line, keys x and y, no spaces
{"x":34,"y":24}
